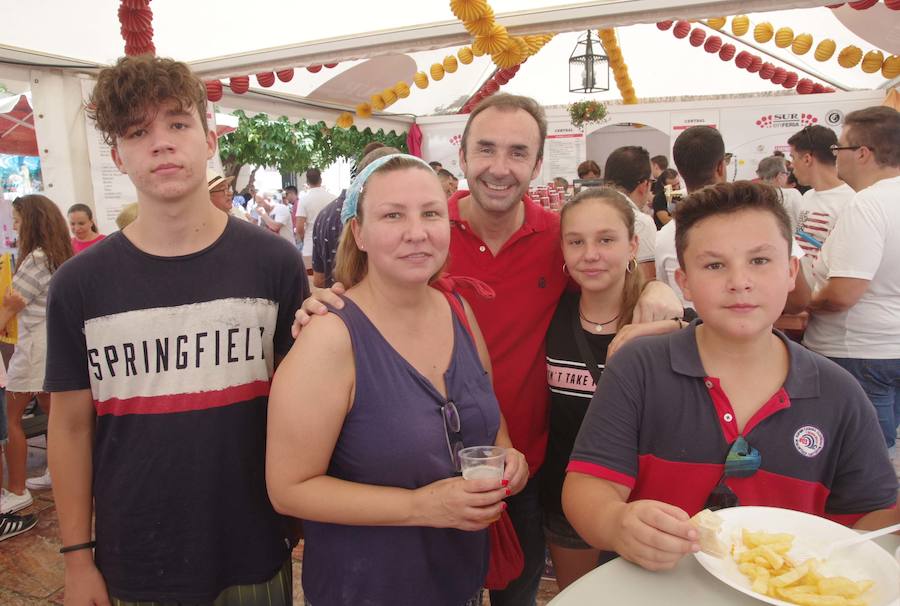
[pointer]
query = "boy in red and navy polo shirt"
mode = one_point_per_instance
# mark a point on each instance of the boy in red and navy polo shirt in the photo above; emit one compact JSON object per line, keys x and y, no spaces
{"x":668,"y":409}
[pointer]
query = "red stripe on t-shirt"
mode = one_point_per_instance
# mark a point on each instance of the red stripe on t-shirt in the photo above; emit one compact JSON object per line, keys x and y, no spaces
{"x":182,"y":402}
{"x":604,"y":473}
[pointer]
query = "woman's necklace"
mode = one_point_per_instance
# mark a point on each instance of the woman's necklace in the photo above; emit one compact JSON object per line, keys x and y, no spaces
{"x":598,"y":326}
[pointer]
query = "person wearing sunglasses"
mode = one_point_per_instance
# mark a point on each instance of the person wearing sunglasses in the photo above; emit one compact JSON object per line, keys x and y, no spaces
{"x":815,"y":166}
{"x":855,"y":312}
{"x":728,"y":411}
{"x":370,"y":408}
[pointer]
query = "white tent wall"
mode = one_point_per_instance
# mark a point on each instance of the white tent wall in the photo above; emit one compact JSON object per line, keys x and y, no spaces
{"x":749,"y":141}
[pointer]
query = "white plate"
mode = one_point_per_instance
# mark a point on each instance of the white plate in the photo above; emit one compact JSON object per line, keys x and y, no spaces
{"x":812,"y":534}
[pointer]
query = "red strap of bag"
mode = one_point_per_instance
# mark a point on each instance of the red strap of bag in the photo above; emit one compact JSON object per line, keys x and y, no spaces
{"x":507,"y":559}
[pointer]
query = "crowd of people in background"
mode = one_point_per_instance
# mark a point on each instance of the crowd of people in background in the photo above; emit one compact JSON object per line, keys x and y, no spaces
{"x":620,"y":351}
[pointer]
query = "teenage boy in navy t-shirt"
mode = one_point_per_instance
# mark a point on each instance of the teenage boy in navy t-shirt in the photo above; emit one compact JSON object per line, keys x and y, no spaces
{"x":669,"y":409}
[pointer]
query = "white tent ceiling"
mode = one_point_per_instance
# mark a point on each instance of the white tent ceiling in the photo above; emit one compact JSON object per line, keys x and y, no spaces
{"x":224,"y":37}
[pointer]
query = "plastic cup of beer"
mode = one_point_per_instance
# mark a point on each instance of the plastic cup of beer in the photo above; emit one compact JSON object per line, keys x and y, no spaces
{"x":482,"y":462}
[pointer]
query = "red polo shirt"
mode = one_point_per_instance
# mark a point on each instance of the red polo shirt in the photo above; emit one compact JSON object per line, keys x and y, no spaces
{"x":527,"y":277}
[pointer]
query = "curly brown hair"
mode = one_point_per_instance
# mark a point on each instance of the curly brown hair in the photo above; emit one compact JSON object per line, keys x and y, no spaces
{"x":135,"y":85}
{"x":42,"y":225}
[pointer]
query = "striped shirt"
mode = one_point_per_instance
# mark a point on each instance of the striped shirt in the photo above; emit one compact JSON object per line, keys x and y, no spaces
{"x":32,"y":280}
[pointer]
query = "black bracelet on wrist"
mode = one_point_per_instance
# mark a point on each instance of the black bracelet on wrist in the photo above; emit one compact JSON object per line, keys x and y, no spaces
{"x":78,"y":547}
{"x":681,"y":322}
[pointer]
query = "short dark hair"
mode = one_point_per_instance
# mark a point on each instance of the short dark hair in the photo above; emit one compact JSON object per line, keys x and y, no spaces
{"x":724,"y":199}
{"x":627,"y":167}
{"x":125,"y":92}
{"x":446,"y":174}
{"x":370,"y":147}
{"x":815,"y":140}
{"x":877,"y":128}
{"x":588,"y":166}
{"x":290,"y":189}
{"x":771,"y":167}
{"x":314,"y":177}
{"x":435,"y":165}
{"x":509,"y":103}
{"x":661,"y":161}
{"x":697,"y":152}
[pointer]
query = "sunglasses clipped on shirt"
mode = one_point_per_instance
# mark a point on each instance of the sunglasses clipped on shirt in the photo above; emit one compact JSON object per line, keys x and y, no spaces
{"x":742,"y":461}
{"x":452,"y":427}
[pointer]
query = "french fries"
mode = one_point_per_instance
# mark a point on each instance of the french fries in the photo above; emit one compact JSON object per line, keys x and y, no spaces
{"x":764,"y":560}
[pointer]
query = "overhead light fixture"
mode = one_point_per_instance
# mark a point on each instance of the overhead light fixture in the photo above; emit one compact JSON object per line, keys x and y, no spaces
{"x":588,"y":66}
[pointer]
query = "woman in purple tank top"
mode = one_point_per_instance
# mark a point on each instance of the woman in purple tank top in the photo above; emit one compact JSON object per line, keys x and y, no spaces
{"x":369,"y":408}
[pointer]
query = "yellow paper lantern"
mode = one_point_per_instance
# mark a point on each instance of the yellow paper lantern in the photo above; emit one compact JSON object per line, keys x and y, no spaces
{"x":389,"y":96}
{"x":437,"y":72}
{"x":401,"y":89}
{"x":614,"y":54}
{"x":364,"y":110}
{"x":482,"y":25}
{"x":465,"y":55}
{"x":802,"y":44}
{"x":535,"y":43}
{"x":850,"y":56}
{"x":477,"y":52}
{"x":345,"y":120}
{"x":377,"y":102}
{"x":493,"y":42}
{"x":825,"y":49}
{"x":716,"y":22}
{"x":450,"y":64}
{"x":511,"y":55}
{"x":763,"y":32}
{"x":740,"y":25}
{"x":890,"y":69}
{"x":873,"y":61}
{"x":467,"y":10}
{"x":784,"y":37}
{"x":421,"y":79}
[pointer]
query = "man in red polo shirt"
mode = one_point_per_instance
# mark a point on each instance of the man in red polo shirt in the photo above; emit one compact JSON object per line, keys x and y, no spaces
{"x":501,"y":237}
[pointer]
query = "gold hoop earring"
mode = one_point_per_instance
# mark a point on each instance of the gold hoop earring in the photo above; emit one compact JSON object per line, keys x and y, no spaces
{"x":628,"y":266}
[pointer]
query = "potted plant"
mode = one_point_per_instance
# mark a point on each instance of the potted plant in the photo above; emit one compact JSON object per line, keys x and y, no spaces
{"x":586,"y":112}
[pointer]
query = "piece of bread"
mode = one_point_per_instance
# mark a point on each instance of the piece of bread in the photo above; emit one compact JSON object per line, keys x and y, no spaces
{"x":708,"y":525}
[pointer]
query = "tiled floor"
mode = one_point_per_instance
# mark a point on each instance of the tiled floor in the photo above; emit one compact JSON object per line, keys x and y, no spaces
{"x":31,"y":569}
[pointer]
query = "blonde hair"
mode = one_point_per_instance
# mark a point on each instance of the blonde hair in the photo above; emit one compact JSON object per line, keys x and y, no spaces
{"x":634,"y":280}
{"x":352,"y":264}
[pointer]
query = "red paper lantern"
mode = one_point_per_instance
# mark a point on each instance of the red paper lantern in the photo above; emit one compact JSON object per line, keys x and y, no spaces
{"x":743,"y":59}
{"x":682,"y":29}
{"x":726,"y":53}
{"x":862,"y":5}
{"x":285,"y":75}
{"x":894,"y":5}
{"x":827,"y":89}
{"x":331,"y":65}
{"x":766,"y":71}
{"x":239,"y":84}
{"x":213,"y":90}
{"x":491,"y":87}
{"x":779,"y":76}
{"x":501,"y":79}
{"x":805,"y":86}
{"x":266,"y":79}
{"x":314,"y":68}
{"x":713,"y":44}
{"x":818,"y":88}
{"x":755,"y":64}
{"x":791,"y":80}
{"x":135,"y":3}
{"x":838,"y":5}
{"x":697,"y":36}
{"x":664,"y":25}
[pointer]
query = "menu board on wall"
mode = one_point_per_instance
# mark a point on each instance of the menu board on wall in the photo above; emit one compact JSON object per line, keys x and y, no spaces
{"x":564,"y":150}
{"x":112,"y":189}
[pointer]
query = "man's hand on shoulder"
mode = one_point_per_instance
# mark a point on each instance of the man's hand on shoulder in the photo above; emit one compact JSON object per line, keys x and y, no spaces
{"x":315,"y":306}
{"x":657,"y":302}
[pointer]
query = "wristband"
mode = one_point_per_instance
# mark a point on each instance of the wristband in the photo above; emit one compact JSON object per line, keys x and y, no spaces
{"x":681,"y":322}
{"x":78,"y":547}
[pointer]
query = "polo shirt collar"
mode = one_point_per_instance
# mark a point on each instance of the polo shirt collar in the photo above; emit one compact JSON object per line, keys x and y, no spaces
{"x":803,"y":375}
{"x":536,"y":220}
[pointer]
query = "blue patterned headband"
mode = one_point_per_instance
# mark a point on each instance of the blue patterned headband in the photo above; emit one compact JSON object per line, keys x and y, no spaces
{"x":351,"y":201}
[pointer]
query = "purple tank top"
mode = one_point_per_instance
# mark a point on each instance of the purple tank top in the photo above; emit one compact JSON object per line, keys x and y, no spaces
{"x":394,"y":436}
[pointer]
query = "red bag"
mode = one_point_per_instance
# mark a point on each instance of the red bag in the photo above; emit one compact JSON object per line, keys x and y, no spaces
{"x":507,"y":559}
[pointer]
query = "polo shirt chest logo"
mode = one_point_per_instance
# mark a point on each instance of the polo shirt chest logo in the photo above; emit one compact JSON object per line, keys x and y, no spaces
{"x":809,"y":441}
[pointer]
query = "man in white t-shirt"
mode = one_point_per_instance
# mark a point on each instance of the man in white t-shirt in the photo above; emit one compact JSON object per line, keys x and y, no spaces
{"x":628,"y":170}
{"x":815,"y":166}
{"x":855,"y":309}
{"x":276,"y":216}
{"x":311,"y":204}
{"x":774,"y":171}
